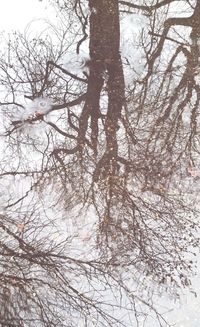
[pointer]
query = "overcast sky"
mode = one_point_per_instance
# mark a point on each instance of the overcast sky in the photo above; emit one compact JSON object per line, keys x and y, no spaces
{"x":16,"y":14}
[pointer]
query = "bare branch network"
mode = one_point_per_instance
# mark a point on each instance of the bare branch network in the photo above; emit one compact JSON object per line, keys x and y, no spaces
{"x":100,"y":128}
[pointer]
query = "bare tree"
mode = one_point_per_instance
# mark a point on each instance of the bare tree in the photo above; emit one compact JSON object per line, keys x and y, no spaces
{"x":127,"y":152}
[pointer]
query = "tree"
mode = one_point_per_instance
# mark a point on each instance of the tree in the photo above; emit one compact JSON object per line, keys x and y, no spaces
{"x":121,"y":149}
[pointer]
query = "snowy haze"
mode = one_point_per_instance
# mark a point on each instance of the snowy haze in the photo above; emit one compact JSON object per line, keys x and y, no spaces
{"x":16,"y":15}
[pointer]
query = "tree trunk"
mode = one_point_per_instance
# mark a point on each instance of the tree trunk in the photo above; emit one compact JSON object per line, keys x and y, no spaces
{"x":105,"y":57}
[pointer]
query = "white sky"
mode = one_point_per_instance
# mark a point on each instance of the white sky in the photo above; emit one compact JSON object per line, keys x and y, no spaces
{"x":16,"y":14}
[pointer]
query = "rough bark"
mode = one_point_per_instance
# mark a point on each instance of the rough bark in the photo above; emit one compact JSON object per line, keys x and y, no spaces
{"x":105,"y":57}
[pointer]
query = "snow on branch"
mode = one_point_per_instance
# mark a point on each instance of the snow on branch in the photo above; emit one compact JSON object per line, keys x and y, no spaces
{"x":76,"y":63}
{"x":33,"y":110}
